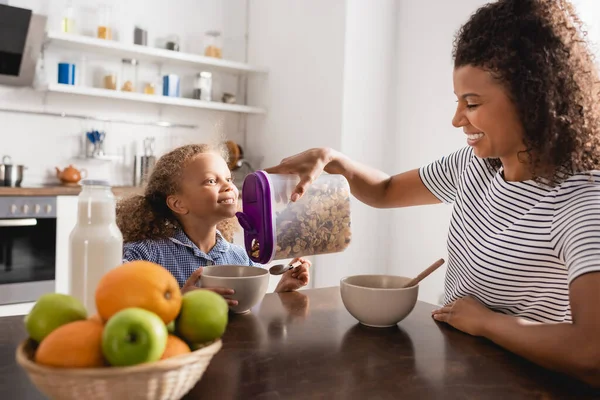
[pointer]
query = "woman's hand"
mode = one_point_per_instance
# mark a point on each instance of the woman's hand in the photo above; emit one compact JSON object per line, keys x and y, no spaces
{"x":307,"y":165}
{"x":466,"y":314}
{"x":191,"y":282}
{"x":295,"y":278}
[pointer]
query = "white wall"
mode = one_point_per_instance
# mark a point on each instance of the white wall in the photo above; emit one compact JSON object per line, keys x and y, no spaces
{"x":369,"y":73}
{"x":330,"y":85}
{"x":302,"y":43}
{"x":42,"y":142}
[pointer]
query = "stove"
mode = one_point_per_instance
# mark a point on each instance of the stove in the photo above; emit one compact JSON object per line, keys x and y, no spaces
{"x":27,"y":247}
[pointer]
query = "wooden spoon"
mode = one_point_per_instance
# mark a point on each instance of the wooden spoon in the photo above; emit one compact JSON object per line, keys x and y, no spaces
{"x":425,"y":273}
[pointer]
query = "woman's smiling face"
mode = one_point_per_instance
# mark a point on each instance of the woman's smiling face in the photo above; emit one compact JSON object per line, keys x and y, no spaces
{"x":486,"y":114}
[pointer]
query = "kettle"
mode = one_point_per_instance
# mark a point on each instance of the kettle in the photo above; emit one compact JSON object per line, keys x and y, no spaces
{"x":71,"y":175}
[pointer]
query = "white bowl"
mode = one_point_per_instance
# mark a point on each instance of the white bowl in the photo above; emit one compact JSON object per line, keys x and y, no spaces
{"x":378,"y":300}
{"x":250,"y":283}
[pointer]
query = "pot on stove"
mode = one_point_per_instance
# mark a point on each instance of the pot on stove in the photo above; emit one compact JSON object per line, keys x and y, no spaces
{"x":11,"y":174}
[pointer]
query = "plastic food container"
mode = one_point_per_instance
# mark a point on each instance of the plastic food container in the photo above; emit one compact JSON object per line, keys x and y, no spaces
{"x":276,"y":228}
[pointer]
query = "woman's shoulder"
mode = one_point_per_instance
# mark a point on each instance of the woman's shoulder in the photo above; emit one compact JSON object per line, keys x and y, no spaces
{"x":579,"y":183}
{"x":578,"y":191}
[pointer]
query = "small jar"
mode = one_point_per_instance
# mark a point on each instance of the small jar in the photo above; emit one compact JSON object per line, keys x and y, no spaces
{"x":110,"y":79}
{"x":203,"y":86}
{"x":140,"y":36}
{"x":104,"y":22}
{"x":68,"y":19}
{"x":213,"y":44}
{"x":172,"y":43}
{"x":129,"y":75}
{"x":150,"y":88}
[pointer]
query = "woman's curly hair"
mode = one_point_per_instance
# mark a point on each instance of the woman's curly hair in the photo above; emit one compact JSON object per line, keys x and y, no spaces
{"x":537,"y":50}
{"x":148,"y":217}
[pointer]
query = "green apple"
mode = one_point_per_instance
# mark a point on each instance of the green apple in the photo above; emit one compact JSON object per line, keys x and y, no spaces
{"x":203,"y":316}
{"x":134,"y":336}
{"x":50,"y":311}
{"x":171,"y":327}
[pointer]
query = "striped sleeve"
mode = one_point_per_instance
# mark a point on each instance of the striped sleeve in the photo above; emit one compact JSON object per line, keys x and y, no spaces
{"x":576,"y":229}
{"x":441,"y":177}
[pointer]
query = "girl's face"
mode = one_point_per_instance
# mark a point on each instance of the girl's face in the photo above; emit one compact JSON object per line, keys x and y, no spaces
{"x":487,"y":115}
{"x":207,"y":191}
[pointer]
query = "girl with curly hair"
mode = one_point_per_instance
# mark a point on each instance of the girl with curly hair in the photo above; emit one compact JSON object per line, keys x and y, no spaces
{"x":189,"y":196}
{"x":524,"y":241}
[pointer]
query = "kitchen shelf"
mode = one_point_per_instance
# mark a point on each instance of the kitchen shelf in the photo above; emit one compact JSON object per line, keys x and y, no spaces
{"x":105,"y":157}
{"x":149,"y":98}
{"x":164,"y":124}
{"x":146,"y":53}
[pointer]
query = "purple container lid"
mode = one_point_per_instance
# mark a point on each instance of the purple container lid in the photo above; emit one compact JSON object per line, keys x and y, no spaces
{"x":256,"y":217}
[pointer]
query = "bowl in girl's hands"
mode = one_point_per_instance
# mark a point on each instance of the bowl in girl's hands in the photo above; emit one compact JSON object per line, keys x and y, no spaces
{"x":249,"y":283}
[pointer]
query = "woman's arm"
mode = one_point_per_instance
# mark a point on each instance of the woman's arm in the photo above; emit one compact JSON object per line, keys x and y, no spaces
{"x":573,"y":349}
{"x":367,"y":184}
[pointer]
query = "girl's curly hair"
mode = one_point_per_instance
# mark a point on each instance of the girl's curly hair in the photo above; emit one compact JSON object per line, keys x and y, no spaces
{"x":536,"y":49}
{"x":148,"y":216}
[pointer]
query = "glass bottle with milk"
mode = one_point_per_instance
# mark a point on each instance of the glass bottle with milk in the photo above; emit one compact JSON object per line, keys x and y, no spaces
{"x":96,"y":243}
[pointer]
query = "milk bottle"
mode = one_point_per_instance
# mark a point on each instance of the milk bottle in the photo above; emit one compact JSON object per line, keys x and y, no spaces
{"x":96,"y":243}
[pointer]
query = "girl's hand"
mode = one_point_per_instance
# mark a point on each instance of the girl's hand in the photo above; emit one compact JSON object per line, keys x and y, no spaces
{"x":466,"y":314}
{"x":191,"y":282}
{"x":295,"y":278}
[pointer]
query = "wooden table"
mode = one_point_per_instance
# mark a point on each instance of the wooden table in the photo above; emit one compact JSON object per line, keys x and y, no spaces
{"x":305,"y":345}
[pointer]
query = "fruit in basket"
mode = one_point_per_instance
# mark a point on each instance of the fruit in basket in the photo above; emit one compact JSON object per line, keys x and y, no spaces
{"x":96,"y":318}
{"x":203,"y":316}
{"x":51,"y":311}
{"x":175,"y":347}
{"x":171,"y":327}
{"x":134,"y":336}
{"x":141,"y":284}
{"x":74,"y":345}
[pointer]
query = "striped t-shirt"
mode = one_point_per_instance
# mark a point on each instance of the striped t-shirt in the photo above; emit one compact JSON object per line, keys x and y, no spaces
{"x":516,"y":246}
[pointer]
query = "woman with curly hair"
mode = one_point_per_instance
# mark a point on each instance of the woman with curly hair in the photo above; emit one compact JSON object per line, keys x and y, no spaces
{"x":524,"y":239}
{"x":184,"y":220}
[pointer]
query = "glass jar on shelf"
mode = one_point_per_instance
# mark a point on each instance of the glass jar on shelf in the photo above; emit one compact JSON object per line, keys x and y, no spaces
{"x":203,"y":86}
{"x":129,"y":75}
{"x":68,"y":19}
{"x":213,"y":44}
{"x":150,"y":88}
{"x":173,"y":43}
{"x":110,"y":79}
{"x":104,"y":22}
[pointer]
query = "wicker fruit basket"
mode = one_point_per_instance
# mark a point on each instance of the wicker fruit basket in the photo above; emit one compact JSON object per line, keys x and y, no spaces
{"x":168,"y":379}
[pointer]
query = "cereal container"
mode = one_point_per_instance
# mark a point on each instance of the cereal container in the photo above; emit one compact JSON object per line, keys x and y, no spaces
{"x":276,"y":228}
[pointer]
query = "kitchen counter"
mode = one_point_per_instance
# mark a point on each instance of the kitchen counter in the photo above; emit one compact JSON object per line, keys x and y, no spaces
{"x":60,"y":190}
{"x":306,"y":345}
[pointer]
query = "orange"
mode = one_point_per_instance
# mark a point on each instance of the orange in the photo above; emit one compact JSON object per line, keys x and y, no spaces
{"x":74,"y":345}
{"x":175,"y":347}
{"x":140,"y":284}
{"x":96,"y":318}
